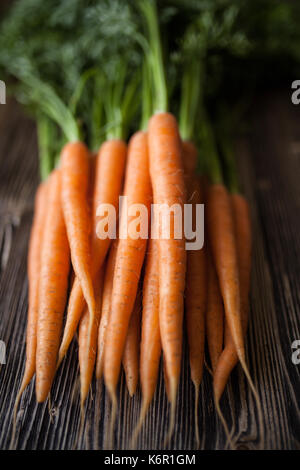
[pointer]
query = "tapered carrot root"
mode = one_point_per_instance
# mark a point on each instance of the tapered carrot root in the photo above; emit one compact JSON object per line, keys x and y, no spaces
{"x":77,"y":302}
{"x":229,"y":358}
{"x":105,"y":308}
{"x":33,"y":269}
{"x":196,"y":282}
{"x":222,"y":242}
{"x":129,"y":260}
{"x":75,"y":310}
{"x":108,"y":185}
{"x":150,"y":341}
{"x":75,"y":178}
{"x":87,"y":356}
{"x":132,"y":348}
{"x":53,"y":288}
{"x":167,"y":178}
{"x":150,"y":351}
{"x":109,"y":172}
{"x":166,"y":381}
{"x":214,"y":315}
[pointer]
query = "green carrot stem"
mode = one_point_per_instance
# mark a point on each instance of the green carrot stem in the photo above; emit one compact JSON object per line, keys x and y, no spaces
{"x":44,"y":143}
{"x":190,"y":94}
{"x":113,"y":113}
{"x":75,"y":98}
{"x":160,"y":98}
{"x":96,"y":134}
{"x":130,"y":104}
{"x":120,"y":102}
{"x":52,"y":106}
{"x":146,"y":97}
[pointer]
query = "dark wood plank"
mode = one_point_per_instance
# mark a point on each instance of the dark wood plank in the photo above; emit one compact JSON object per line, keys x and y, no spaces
{"x":269,"y":169}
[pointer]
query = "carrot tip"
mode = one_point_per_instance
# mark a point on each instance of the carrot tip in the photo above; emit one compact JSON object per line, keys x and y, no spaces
{"x":222,"y":419}
{"x":59,"y":360}
{"x":114,"y":407}
{"x":173,"y":393}
{"x":256,"y":398}
{"x":208,"y":368}
{"x":139,"y":425}
{"x":197,"y":437}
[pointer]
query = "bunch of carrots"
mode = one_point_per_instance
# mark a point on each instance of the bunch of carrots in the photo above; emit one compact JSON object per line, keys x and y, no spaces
{"x":128,"y":298}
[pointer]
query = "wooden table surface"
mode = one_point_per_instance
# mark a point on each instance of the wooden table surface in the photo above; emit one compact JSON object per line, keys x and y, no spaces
{"x":269,"y":170}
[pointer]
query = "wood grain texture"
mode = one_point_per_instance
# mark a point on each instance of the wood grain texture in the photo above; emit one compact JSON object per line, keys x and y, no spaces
{"x":269,"y":170}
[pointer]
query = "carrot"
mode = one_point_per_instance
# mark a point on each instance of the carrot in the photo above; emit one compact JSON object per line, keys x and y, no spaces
{"x":106,"y":303}
{"x":150,"y":341}
{"x":166,"y":380}
{"x":75,"y":177}
{"x":150,"y":349}
{"x":223,"y":246}
{"x":132,"y":347}
{"x":129,"y":261}
{"x":240,"y":221}
{"x":214,"y":315}
{"x":195,"y":292}
{"x":224,"y":249}
{"x":75,"y":309}
{"x":168,"y":188}
{"x":229,"y":358}
{"x":33,"y":268}
{"x":87,"y":357}
{"x":108,"y":180}
{"x":53,"y":287}
{"x":222,"y":241}
{"x":167,"y":180}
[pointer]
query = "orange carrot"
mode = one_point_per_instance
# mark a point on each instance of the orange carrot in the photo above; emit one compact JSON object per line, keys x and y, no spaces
{"x":168,"y":188}
{"x":236,"y":321}
{"x":223,"y":246}
{"x":129,"y":261}
{"x":195,"y":297}
{"x":214,"y":315}
{"x":166,"y":380}
{"x":87,"y":357}
{"x":150,"y":340}
{"x":229,"y":358}
{"x":33,"y":268}
{"x":132,"y":347}
{"x":195,"y":292}
{"x":106,"y":303}
{"x":150,"y":350}
{"x":108,"y":180}
{"x":53,"y":288}
{"x":77,"y":301}
{"x":75,"y":178}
